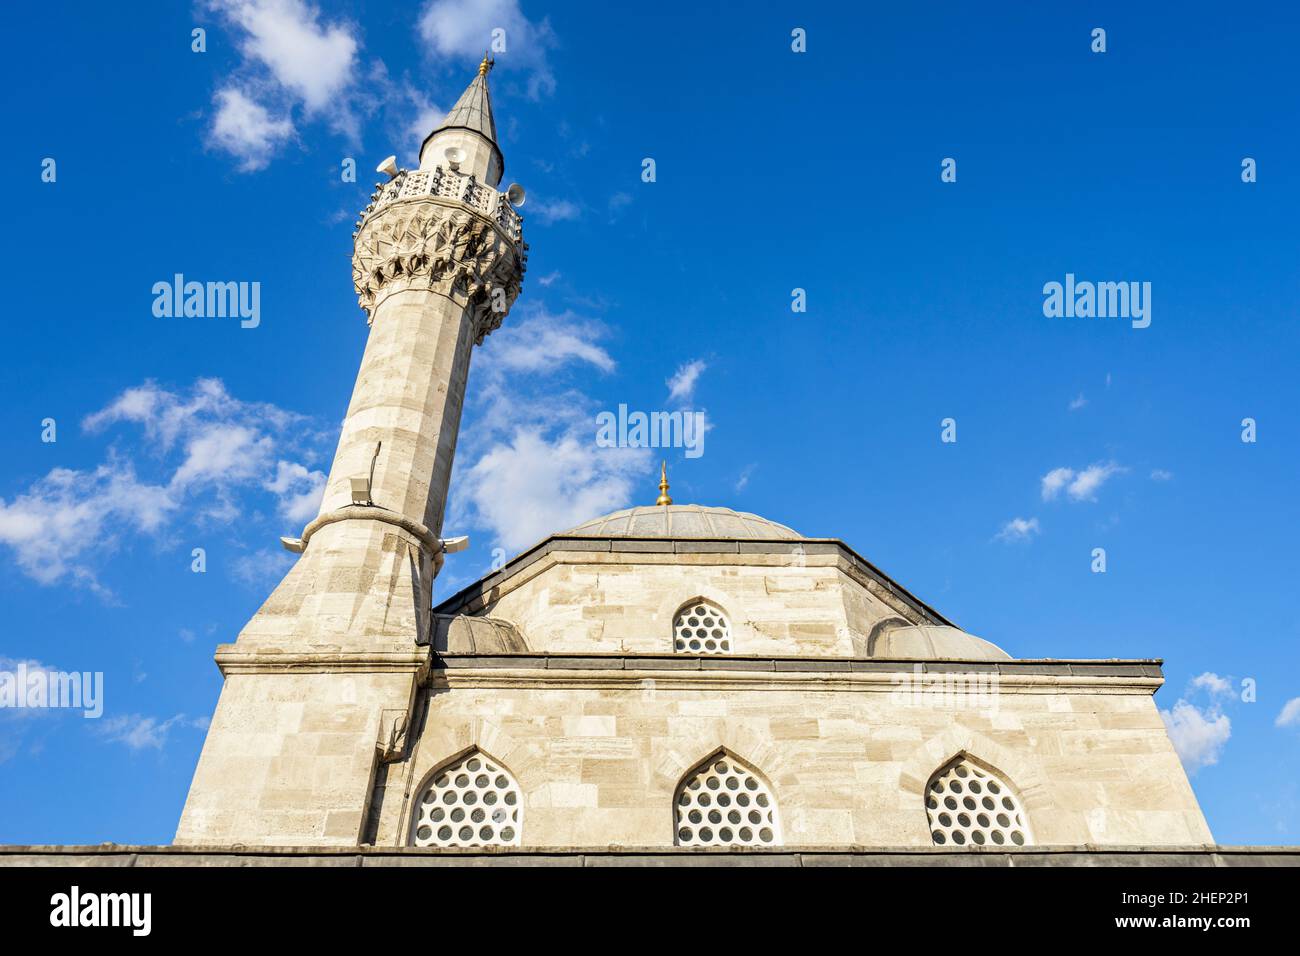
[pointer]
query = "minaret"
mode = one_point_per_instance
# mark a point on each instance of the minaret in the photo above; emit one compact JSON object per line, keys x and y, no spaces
{"x":320,"y":682}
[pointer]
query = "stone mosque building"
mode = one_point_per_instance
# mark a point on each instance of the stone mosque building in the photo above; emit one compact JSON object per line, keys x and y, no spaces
{"x":668,"y":679}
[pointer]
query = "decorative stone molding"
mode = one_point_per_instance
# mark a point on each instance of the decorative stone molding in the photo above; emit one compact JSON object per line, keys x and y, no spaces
{"x":439,"y":231}
{"x":393,"y":724}
{"x":427,"y":539}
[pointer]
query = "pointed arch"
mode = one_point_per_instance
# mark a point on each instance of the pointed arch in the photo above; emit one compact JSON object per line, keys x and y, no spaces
{"x":725,"y":801}
{"x":970,"y":803}
{"x":470,"y":799}
{"x":702,"y":626}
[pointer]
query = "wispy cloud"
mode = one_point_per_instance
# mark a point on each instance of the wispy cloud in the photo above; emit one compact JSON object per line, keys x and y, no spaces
{"x":1078,"y":485}
{"x":298,"y":489}
{"x":463,"y":29}
{"x":745,"y":474}
{"x":1018,"y":529}
{"x":681,"y":387}
{"x":544,"y":341}
{"x":262,"y":569}
{"x":137,"y":732}
{"x":551,"y":211}
{"x":1078,"y":402}
{"x":203,"y":451}
{"x":1159,"y":474}
{"x":1289,"y":715}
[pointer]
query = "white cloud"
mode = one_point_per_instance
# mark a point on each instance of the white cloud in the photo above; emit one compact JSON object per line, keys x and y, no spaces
{"x":745,"y":474}
{"x":138,"y":732}
{"x":1018,"y":529}
{"x":1289,"y":716}
{"x":245,"y":129}
{"x":618,"y":202}
{"x":543,"y":342}
{"x":1078,"y":402}
{"x":528,"y":464}
{"x":263,"y":569}
{"x":68,"y":515}
{"x":681,"y":387}
{"x":1078,"y":485}
{"x":424,"y":119}
{"x":315,"y":62}
{"x":1054,"y":481}
{"x":1198,"y":734}
{"x":1088,"y":482}
{"x":1159,"y":474}
{"x":1214,"y":685}
{"x":463,"y":29}
{"x":299,"y":490}
{"x":533,"y":486}
{"x":559,"y":210}
{"x":289,"y":58}
{"x":223,"y":452}
{"x":205,"y":449}
{"x":548,"y":280}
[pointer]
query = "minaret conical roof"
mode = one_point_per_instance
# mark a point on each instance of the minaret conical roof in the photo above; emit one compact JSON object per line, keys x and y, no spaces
{"x":473,"y":111}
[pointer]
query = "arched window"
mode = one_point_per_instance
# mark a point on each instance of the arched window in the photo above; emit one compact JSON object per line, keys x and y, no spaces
{"x":969,"y":805}
{"x":473,"y":801}
{"x":701,"y":627}
{"x":723,"y":803}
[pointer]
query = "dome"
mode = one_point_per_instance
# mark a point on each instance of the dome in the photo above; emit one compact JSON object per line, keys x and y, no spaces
{"x":683,"y":521}
{"x":934,"y":642}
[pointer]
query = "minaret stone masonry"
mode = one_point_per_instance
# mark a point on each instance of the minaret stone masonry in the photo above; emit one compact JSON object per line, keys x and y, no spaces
{"x":320,"y":682}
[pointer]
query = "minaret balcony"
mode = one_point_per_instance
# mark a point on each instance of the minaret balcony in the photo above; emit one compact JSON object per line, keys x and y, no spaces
{"x":443,"y":183}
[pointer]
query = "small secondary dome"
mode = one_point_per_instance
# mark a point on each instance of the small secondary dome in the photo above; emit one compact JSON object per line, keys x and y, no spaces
{"x":934,"y":642}
{"x":683,"y":521}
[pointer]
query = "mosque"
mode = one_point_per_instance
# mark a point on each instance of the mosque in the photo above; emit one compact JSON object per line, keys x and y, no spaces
{"x":672,"y":679}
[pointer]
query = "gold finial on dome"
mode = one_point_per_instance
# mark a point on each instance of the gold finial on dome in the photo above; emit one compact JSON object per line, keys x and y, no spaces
{"x":486,"y":66}
{"x":663,"y":485}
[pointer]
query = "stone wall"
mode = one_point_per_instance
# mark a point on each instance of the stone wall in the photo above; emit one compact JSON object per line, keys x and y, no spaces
{"x":624,"y":602}
{"x":599,"y":753}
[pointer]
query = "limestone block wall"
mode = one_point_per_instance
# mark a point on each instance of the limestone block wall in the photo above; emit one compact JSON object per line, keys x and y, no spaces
{"x":625,"y":602}
{"x":599,"y":755}
{"x":290,"y":757}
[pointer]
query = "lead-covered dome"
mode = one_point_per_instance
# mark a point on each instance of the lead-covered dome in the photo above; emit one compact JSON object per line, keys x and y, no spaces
{"x":684,"y":521}
{"x":935,"y":642}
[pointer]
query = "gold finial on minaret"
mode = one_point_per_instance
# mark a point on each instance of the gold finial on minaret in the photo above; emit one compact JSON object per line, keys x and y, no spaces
{"x":663,"y":485}
{"x":486,"y":66}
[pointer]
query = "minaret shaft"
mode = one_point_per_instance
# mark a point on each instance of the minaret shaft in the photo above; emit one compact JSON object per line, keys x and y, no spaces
{"x":408,"y":399}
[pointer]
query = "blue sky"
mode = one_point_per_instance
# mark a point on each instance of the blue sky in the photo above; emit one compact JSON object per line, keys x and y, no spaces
{"x":775,"y":171}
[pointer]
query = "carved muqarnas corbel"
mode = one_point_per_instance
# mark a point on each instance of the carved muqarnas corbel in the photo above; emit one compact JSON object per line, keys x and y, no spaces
{"x":432,"y":246}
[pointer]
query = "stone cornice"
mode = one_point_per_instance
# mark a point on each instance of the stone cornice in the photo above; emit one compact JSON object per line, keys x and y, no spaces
{"x":794,"y":856}
{"x":607,"y":671}
{"x":322,"y":659}
{"x":815,"y":551}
